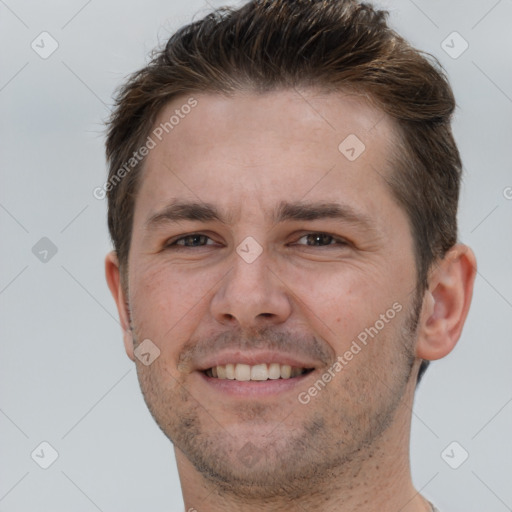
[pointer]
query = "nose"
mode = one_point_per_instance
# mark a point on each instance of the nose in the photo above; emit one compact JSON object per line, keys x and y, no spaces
{"x":251,"y":295}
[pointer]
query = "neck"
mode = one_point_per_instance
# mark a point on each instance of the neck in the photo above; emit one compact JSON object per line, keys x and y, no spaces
{"x":378,"y":480}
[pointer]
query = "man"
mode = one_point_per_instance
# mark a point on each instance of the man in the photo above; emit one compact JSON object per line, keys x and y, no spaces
{"x":282,"y":195}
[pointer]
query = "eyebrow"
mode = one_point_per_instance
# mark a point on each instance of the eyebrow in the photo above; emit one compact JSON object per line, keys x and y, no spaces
{"x":300,"y":211}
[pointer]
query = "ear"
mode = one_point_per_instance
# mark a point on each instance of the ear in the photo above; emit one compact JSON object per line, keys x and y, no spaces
{"x":113,"y":276}
{"x":446,"y":303}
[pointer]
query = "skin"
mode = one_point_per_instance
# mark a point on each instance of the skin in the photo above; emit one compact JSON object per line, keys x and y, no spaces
{"x":348,"y":447}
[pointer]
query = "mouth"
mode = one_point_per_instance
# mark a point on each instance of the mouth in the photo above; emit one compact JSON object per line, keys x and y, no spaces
{"x":259,"y":372}
{"x":259,"y":375}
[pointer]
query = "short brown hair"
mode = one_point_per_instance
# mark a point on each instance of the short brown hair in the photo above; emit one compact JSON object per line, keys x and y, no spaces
{"x":337,"y":45}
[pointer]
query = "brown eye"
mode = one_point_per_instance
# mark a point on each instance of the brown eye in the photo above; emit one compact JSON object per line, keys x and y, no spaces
{"x":192,"y":240}
{"x":320,"y":240}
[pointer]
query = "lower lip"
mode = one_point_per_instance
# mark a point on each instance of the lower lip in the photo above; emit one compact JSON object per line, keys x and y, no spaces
{"x":252,"y":388}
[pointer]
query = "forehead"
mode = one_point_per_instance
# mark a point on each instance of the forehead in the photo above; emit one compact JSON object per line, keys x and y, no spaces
{"x":251,"y":151}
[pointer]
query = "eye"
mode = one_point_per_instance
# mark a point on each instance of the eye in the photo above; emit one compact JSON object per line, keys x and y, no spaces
{"x":316,"y":239}
{"x":192,"y":240}
{"x":321,"y":240}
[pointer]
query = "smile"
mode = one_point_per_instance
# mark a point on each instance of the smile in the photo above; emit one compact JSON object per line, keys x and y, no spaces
{"x":257,"y":372}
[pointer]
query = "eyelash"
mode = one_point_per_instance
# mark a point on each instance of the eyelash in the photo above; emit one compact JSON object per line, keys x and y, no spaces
{"x":174,"y":244}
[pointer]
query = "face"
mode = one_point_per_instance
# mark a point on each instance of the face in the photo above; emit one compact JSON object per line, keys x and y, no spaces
{"x":263,"y":249}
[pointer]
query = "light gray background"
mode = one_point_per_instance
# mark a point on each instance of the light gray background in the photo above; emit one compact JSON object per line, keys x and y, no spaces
{"x":64,"y":377}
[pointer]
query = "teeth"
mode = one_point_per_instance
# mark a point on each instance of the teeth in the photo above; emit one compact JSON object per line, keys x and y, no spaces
{"x":274,"y":371}
{"x":286,"y":371}
{"x":259,"y":372}
{"x":296,"y":372}
{"x":221,"y":372}
{"x":245,"y":372}
{"x":230,"y":371}
{"x":242,"y":371}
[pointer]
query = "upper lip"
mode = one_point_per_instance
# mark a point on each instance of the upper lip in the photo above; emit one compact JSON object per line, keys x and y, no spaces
{"x":254,"y":357}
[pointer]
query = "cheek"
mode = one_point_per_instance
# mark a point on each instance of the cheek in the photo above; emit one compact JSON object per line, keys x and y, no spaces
{"x":159,"y":299}
{"x":167,"y":304}
{"x":340,"y":297}
{"x":344,"y":303}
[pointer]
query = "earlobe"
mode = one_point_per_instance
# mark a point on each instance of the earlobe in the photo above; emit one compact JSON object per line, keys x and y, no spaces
{"x":113,"y":277}
{"x":446,"y":303}
{"x":128,"y":344}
